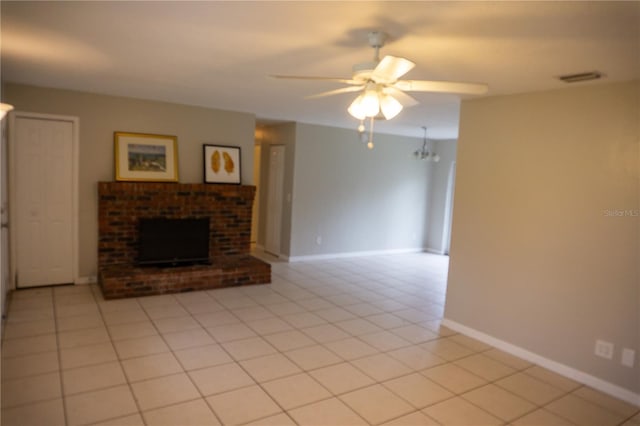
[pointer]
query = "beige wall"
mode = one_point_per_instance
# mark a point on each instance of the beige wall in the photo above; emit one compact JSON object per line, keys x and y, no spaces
{"x":536,"y":260}
{"x":101,"y":115}
{"x":356,"y":199}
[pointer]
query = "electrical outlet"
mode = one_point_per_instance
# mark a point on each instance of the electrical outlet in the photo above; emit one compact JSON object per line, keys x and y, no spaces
{"x":318,"y":240}
{"x":628,"y":357}
{"x":604,"y":349}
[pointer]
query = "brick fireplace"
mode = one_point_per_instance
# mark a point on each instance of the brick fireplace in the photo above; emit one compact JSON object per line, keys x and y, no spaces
{"x":121,"y":206}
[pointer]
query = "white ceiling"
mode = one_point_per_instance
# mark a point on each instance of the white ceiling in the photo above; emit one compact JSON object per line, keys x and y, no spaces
{"x":219,"y":54}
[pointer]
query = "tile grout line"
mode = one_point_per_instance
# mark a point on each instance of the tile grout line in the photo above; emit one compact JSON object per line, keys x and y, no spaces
{"x":184,"y":371}
{"x":65,"y":411}
{"x":29,"y":376}
{"x":375,"y":382}
{"x":338,"y":300}
{"x":119,"y":360}
{"x":516,"y":371}
{"x":257,"y":383}
{"x":302,"y":370}
{"x":454,"y":395}
{"x":202,"y":396}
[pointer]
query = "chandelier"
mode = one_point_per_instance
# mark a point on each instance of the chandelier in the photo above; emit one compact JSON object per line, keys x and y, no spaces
{"x":424,"y":153}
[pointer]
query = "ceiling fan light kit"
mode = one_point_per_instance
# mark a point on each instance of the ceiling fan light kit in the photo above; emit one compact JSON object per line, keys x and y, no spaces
{"x":372,"y":102}
{"x":382,"y":91}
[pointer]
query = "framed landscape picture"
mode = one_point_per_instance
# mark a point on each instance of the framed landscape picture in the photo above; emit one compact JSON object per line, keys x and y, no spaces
{"x":221,"y":164}
{"x":146,"y":157}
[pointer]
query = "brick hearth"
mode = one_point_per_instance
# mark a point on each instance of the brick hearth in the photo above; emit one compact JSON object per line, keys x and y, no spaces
{"x":121,"y":205}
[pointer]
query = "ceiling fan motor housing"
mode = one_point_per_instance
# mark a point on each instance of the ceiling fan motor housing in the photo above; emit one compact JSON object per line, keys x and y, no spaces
{"x":362,"y":71}
{"x":377,"y":38}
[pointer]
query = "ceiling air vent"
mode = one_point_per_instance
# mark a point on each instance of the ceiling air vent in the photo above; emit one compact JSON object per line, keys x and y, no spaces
{"x":583,"y":76}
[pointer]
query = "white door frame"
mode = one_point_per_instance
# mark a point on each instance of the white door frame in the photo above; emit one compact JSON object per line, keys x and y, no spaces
{"x":75,"y":121}
{"x":4,"y":233}
{"x":255,"y":213}
{"x":274,"y":215}
{"x":448,"y":210}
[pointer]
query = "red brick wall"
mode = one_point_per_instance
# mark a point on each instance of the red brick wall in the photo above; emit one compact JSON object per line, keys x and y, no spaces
{"x":130,"y":281}
{"x":120,"y":207}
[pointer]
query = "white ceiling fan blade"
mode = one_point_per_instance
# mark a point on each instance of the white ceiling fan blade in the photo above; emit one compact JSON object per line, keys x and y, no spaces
{"x":336,"y":92}
{"x":441,"y":87}
{"x":390,"y":69}
{"x":302,"y":77}
{"x":403,"y":98}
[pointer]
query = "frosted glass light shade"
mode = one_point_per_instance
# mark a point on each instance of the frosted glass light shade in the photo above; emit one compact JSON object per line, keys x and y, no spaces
{"x":370,"y":103}
{"x":390,"y":106}
{"x":356,"y":110}
{"x":365,"y":105}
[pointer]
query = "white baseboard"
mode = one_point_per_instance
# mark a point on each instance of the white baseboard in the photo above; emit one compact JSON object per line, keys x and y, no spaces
{"x":86,"y":280}
{"x":562,"y":369}
{"x":434,"y":251}
{"x":352,"y":254}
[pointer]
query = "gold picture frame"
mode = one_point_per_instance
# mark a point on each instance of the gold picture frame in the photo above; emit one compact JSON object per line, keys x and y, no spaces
{"x":221,"y":164}
{"x":146,"y":157}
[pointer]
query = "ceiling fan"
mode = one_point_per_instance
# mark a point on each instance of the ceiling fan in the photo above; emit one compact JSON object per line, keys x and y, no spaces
{"x":382,"y":90}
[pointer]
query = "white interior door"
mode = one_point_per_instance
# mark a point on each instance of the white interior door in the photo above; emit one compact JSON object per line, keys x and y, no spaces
{"x":43,"y":199}
{"x":274,"y":203}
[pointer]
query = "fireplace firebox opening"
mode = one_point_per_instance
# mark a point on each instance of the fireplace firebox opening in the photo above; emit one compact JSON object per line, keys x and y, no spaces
{"x":173,"y":242}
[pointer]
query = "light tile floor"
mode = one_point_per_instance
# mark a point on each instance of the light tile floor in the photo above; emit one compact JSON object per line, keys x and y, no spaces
{"x":342,"y":342}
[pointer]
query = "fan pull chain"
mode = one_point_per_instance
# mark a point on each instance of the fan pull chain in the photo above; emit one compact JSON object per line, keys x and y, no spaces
{"x":370,"y":144}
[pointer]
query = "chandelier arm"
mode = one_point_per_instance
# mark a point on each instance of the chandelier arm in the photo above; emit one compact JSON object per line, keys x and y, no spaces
{"x":424,"y":140}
